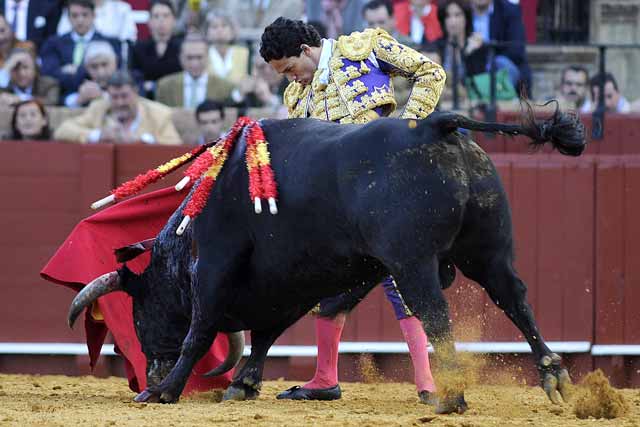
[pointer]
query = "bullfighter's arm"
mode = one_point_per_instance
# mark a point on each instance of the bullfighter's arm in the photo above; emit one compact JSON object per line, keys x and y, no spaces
{"x":427,"y":76}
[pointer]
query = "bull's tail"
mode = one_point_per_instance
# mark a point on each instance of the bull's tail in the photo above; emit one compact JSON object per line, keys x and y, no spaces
{"x":563,"y":130}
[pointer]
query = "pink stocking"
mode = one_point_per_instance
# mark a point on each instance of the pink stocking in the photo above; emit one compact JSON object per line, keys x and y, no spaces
{"x":417,"y":341}
{"x":328,"y":332}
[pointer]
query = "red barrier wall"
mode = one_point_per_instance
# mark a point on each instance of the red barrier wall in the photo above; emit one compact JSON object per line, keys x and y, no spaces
{"x":575,"y":220}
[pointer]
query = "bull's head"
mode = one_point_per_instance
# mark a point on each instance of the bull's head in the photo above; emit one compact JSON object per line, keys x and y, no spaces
{"x":161,"y":316}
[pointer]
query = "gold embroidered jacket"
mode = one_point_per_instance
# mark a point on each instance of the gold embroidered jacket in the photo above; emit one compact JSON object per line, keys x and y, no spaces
{"x":359,"y":88}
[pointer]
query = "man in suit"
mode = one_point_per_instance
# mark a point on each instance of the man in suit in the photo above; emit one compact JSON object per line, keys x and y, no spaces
{"x":101,"y":62}
{"x":123,"y":117}
{"x":192,"y":86}
{"x":501,"y":21}
{"x":20,"y":80}
{"x":33,"y":20}
{"x":62,"y":56}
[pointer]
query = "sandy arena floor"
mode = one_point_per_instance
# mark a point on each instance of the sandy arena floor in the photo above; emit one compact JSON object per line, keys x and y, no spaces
{"x":88,"y":401}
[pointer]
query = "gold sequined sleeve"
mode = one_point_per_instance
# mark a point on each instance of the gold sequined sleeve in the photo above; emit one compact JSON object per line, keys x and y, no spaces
{"x":427,"y":76}
{"x":294,"y":98}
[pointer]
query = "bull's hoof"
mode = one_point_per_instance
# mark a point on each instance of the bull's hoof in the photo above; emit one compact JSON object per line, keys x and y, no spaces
{"x":149,"y":396}
{"x":451,"y":405}
{"x":556,"y":381}
{"x":428,"y":398}
{"x":240,"y":392}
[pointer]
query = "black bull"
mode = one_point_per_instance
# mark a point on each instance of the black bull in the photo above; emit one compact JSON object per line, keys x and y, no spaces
{"x":357,"y":202}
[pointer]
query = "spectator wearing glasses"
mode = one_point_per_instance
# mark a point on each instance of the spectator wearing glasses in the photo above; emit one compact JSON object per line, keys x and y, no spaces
{"x":574,"y":85}
{"x":614,"y":102}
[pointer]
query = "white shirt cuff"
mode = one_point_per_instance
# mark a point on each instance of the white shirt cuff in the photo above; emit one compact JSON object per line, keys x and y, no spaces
{"x":94,"y":136}
{"x":5,"y":78}
{"x":71,"y":100}
{"x":237,"y":96}
{"x":147,"y":138}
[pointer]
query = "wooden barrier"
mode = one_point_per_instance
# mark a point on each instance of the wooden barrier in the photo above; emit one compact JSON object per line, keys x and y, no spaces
{"x":575,"y":224}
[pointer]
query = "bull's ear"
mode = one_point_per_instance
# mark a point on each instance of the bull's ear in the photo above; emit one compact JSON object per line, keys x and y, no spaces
{"x":130,"y":282}
{"x":127,"y":253}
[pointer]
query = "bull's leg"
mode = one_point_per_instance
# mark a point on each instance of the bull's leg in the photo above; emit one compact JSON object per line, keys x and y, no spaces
{"x":508,"y":291}
{"x":209,"y":299}
{"x":248,"y":381}
{"x":419,"y":284}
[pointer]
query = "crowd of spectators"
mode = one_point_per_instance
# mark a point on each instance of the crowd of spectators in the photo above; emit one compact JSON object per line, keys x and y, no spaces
{"x":201,"y":57}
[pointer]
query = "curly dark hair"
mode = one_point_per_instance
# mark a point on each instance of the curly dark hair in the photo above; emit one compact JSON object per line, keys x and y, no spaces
{"x":282,"y":39}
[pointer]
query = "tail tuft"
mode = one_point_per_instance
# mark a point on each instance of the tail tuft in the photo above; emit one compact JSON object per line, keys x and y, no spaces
{"x":563,"y":130}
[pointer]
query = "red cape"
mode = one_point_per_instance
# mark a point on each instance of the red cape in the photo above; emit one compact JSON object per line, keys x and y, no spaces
{"x":88,"y":253}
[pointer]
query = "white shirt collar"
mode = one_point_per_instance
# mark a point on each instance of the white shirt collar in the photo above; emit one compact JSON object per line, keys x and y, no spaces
{"x":202,"y":80}
{"x":325,"y":57}
{"x":87,"y":37}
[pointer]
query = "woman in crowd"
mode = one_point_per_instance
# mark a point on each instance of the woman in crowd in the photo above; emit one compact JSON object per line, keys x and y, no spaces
{"x":227,"y":60}
{"x":20,"y":80}
{"x":30,"y":121}
{"x":459,"y":40}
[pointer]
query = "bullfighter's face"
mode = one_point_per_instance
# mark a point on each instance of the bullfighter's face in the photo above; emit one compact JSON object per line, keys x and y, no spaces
{"x":299,"y":68}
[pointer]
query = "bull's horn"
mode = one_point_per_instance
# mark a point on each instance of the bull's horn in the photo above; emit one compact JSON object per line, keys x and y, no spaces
{"x":104,"y":284}
{"x":236,"y":348}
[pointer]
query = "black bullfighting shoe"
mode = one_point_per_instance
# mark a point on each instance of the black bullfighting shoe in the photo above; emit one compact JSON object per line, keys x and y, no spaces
{"x":428,"y":398}
{"x":301,"y":393}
